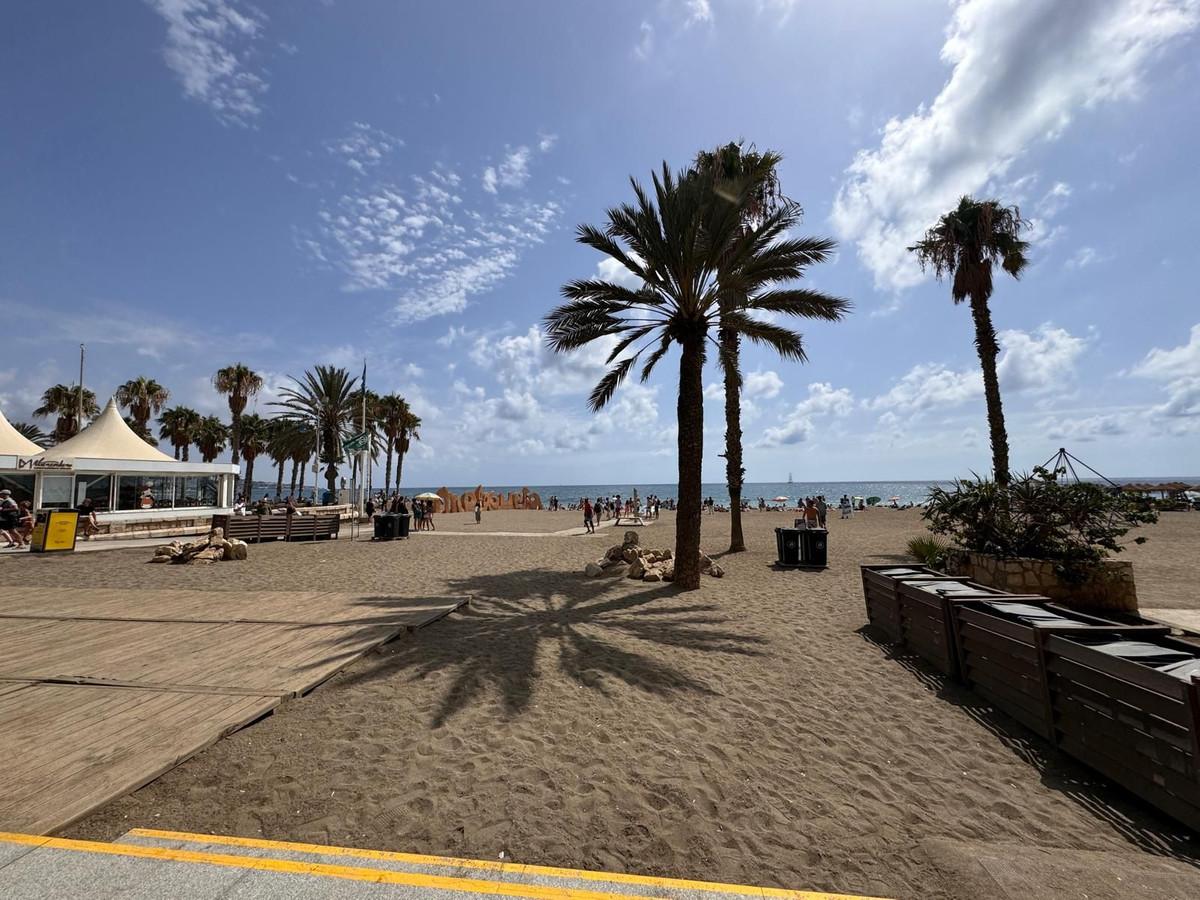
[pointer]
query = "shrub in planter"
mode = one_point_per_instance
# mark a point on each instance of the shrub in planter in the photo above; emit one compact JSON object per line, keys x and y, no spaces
{"x":1074,"y":525}
{"x":929,"y":550}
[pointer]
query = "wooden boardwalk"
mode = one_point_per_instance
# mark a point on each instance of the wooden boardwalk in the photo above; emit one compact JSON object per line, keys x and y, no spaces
{"x":103,"y":690}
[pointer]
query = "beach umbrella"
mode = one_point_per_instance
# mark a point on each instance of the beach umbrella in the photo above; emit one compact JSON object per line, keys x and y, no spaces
{"x":780,"y":499}
{"x":428,"y":495}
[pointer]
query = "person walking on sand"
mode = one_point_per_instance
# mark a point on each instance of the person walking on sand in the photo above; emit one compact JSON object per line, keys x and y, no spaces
{"x":810,"y":516}
{"x":587,"y":516}
{"x":845,"y":506}
{"x":478,"y":512}
{"x":822,"y":509}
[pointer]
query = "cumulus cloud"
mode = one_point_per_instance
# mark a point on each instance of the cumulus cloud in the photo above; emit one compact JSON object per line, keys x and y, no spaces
{"x":927,"y":386}
{"x":765,"y":385}
{"x":523,"y":362}
{"x":1084,"y":257}
{"x":644,"y":47}
{"x":210,"y":47}
{"x":798,"y":425}
{"x":698,"y":12}
{"x":1090,"y":428}
{"x":1038,"y":361}
{"x":609,"y":269}
{"x":1179,"y":370}
{"x":512,"y":172}
{"x":1020,"y":71}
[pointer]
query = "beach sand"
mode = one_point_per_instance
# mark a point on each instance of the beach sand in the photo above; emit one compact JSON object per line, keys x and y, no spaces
{"x":749,"y":732}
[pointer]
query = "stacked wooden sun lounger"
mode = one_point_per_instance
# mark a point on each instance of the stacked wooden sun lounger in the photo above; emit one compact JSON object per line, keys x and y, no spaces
{"x":1123,"y":699}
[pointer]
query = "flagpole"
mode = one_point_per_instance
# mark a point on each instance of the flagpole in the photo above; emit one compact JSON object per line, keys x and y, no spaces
{"x":79,"y":407}
{"x":362,"y":453}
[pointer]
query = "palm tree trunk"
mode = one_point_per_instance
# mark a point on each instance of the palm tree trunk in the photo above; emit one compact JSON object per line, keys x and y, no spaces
{"x":235,"y":437}
{"x":187,"y":450}
{"x":303,"y":472}
{"x":249,"y":477}
{"x":399,"y":462}
{"x":177,"y":452}
{"x":690,"y":415}
{"x":292,"y":483}
{"x":387,"y":470}
{"x":279,"y":480}
{"x":988,"y":349}
{"x":734,"y":473}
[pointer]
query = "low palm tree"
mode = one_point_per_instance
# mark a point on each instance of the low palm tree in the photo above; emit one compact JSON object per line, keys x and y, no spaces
{"x":238,"y":383}
{"x":283,"y":436}
{"x":32,"y":433}
{"x":304,"y":446}
{"x":965,"y":243}
{"x":179,"y":425}
{"x":763,"y":197}
{"x":255,"y":433}
{"x":144,"y":397}
{"x":324,"y":397}
{"x":698,"y":268}
{"x":62,"y":401}
{"x":212,"y":436}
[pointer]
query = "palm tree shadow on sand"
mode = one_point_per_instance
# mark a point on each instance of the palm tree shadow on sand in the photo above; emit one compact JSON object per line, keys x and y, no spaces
{"x":603,"y":631}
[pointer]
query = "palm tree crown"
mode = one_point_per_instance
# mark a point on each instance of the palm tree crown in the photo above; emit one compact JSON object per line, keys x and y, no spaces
{"x":144,"y":397}
{"x":965,"y":244}
{"x":31,"y":432}
{"x":325,"y":396}
{"x":698,"y":267}
{"x":62,"y":401}
{"x":238,"y":383}
{"x":212,"y":436}
{"x":179,"y":425}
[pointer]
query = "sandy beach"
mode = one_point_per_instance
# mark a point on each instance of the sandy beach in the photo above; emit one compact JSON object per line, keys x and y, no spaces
{"x":750,"y":732}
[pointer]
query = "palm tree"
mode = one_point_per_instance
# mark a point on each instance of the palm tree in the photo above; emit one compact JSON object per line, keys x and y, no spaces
{"x":763,"y":196}
{"x":304,"y":445}
{"x":212,"y":436}
{"x":965,"y":243}
{"x":32,"y":433}
{"x":325,"y":396}
{"x":281,"y":440}
{"x":144,"y":397}
{"x":255,"y":432}
{"x":238,"y":383}
{"x":698,"y":267}
{"x":390,"y":412}
{"x":62,"y":401}
{"x":179,"y":425}
{"x":410,"y":430}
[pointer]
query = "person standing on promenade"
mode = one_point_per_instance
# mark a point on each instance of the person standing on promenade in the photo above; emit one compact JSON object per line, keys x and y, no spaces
{"x":10,"y":517}
{"x":478,"y":512}
{"x":587,"y":516}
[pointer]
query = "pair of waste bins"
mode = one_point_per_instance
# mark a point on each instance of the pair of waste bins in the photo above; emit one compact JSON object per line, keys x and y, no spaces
{"x":391,"y":526}
{"x":802,"y":548}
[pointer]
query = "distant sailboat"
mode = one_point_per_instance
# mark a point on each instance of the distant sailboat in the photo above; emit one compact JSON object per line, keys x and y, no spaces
{"x":790,"y":478}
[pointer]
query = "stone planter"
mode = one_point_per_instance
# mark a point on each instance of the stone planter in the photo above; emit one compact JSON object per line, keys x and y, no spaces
{"x":1110,"y":587}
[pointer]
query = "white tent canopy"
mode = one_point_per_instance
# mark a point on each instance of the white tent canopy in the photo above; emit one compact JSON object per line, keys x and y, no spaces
{"x":108,"y":437}
{"x":13,"y":443}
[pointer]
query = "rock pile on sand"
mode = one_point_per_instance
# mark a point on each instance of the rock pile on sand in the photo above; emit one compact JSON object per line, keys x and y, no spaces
{"x":208,"y":549}
{"x":631,"y":559}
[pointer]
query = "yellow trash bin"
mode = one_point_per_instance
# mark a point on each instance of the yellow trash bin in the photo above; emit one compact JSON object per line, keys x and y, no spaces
{"x":54,"y":531}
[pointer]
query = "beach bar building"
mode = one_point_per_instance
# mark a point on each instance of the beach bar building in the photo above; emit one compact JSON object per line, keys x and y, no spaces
{"x":134,"y":486}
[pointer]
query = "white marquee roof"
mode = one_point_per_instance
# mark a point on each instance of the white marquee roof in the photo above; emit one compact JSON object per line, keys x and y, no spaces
{"x":108,"y":437}
{"x":13,"y":443}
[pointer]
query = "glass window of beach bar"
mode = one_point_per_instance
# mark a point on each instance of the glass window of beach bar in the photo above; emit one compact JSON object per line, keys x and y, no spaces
{"x":56,"y":491}
{"x":20,"y":485}
{"x":196,"y":490}
{"x":96,"y":488}
{"x":146,"y":491}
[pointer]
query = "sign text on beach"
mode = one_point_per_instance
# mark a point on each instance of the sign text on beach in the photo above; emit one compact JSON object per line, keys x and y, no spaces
{"x":43,"y":465}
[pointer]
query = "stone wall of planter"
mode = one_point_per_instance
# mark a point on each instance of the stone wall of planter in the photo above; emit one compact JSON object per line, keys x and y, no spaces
{"x":1111,"y":587}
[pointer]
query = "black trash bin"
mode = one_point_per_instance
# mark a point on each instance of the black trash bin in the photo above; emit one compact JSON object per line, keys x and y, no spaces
{"x":814,"y":548}
{"x":386,"y":526}
{"x":787,"y":546}
{"x":402,"y":520}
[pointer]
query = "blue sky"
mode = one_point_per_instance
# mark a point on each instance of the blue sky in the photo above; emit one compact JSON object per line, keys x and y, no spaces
{"x":194,"y":182}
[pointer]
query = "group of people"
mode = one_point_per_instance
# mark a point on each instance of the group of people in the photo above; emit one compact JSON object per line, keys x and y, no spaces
{"x":420,"y":510}
{"x":615,"y":508}
{"x":16,"y":520}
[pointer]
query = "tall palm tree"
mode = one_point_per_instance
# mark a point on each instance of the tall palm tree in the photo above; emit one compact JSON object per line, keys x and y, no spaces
{"x":62,"y":401}
{"x":410,"y":430}
{"x":179,"y":425}
{"x":965,"y":243}
{"x":303,"y":447}
{"x":390,"y":411}
{"x":729,"y":163}
{"x":324,"y":397}
{"x":698,"y":267}
{"x":212,"y":436}
{"x":32,"y":433}
{"x":238,"y":383}
{"x":254,"y":434}
{"x":144,"y":397}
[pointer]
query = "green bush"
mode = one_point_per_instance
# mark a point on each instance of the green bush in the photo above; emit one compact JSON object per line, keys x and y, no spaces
{"x":1073,"y":524}
{"x":929,"y":551}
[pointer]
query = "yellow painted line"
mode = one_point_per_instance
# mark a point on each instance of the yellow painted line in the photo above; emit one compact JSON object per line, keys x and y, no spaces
{"x":494,"y":866}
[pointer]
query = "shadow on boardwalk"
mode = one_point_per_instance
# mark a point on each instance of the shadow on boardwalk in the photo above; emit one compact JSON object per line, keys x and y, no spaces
{"x":602,"y":628}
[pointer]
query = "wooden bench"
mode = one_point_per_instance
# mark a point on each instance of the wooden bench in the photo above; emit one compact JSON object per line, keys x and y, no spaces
{"x":255,"y":529}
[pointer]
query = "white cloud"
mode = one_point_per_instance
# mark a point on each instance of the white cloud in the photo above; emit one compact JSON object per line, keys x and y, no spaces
{"x":927,"y":386}
{"x":546,"y":142}
{"x":609,"y":269}
{"x":698,"y":11}
{"x":210,"y":46}
{"x":822,"y":400}
{"x":1090,"y":428}
{"x":364,"y":146}
{"x":1179,"y":370}
{"x":1038,"y":362}
{"x":645,"y":45}
{"x":523,"y":362}
{"x":764,"y":385}
{"x":1084,"y":257}
{"x":1055,"y":200}
{"x":1021,"y":69}
{"x":512,"y":172}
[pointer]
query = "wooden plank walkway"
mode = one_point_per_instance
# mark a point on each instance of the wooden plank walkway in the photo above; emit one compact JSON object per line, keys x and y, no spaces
{"x":68,"y":749}
{"x":103,"y":690}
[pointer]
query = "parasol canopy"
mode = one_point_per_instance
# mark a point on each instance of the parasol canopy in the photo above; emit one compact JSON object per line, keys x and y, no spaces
{"x":780,"y":499}
{"x":428,"y":495}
